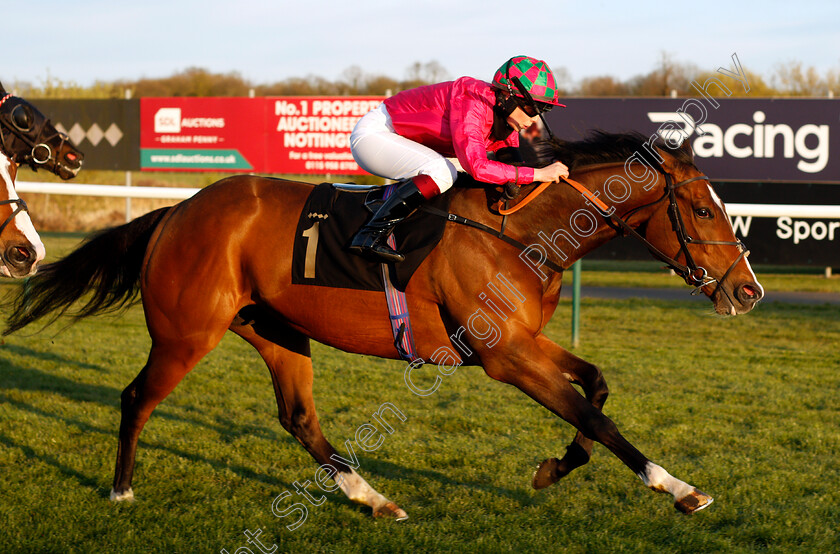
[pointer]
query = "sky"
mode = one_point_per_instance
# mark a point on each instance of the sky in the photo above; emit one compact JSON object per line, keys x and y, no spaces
{"x":265,"y":42}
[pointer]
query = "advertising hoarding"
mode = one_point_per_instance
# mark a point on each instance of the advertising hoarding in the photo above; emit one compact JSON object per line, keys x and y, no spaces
{"x":296,"y":135}
{"x":312,"y":135}
{"x":202,"y":134}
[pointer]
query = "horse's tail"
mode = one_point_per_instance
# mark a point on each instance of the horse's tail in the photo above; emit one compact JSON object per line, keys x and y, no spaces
{"x":107,"y":266}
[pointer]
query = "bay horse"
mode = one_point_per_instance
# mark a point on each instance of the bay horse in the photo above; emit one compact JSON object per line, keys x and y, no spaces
{"x":221,"y":260}
{"x":26,"y":137}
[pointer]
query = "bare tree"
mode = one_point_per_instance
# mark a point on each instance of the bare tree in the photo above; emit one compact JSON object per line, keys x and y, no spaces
{"x":414,"y":72}
{"x":433,"y":72}
{"x":668,"y":76}
{"x":604,"y":85}
{"x":790,"y":79}
{"x":793,"y":79}
{"x":355,"y":79}
{"x":418,"y":74}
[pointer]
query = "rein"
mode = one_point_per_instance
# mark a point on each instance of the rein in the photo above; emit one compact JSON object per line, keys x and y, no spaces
{"x":693,"y":274}
{"x":581,"y":188}
{"x":500,"y":205}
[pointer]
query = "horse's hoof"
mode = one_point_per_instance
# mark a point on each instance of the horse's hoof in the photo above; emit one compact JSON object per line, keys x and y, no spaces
{"x":694,"y":501}
{"x":391,"y":510}
{"x":547,"y":474}
{"x":127,"y":495}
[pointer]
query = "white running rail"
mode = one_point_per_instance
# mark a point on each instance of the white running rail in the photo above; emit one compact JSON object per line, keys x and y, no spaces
{"x":178,"y":193}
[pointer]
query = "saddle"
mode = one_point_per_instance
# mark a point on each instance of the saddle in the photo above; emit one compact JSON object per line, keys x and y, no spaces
{"x":331,"y":216}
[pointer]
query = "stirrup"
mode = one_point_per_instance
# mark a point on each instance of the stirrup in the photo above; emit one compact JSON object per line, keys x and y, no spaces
{"x":371,"y":241}
{"x":370,"y":245}
{"x":383,"y":253}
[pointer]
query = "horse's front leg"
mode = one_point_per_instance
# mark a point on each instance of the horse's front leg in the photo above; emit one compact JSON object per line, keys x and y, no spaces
{"x":591,"y":380}
{"x":518,"y":360}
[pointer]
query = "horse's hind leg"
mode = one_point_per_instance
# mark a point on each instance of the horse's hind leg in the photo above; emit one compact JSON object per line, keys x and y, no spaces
{"x":167,"y":365}
{"x":591,"y":380}
{"x":287,"y":355}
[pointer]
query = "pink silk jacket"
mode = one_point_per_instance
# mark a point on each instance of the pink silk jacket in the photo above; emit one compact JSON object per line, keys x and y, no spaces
{"x":455,"y":119}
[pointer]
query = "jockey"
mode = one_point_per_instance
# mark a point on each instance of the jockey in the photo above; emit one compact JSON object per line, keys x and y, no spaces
{"x":409,"y":136}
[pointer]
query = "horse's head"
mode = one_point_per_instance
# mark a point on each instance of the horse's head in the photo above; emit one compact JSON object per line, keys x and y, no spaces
{"x":692,"y":227}
{"x":26,"y":137}
{"x":683,"y":221}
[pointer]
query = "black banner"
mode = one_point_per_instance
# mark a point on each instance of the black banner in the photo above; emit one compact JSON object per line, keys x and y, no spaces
{"x":771,"y":139}
{"x":107,"y":131}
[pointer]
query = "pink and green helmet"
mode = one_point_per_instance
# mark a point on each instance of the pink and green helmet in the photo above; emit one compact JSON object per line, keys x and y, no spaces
{"x":534,"y":75}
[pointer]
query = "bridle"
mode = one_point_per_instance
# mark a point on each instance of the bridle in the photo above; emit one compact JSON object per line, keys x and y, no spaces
{"x":40,"y":152}
{"x":692,"y":273}
{"x":19,"y":133}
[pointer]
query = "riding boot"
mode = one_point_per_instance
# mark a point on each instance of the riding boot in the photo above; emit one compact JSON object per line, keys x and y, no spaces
{"x":371,"y":241}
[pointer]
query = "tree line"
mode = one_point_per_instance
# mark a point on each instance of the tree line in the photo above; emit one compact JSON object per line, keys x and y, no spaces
{"x":667,"y":78}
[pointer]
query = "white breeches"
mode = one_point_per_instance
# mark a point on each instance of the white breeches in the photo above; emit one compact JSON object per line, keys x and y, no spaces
{"x":379,"y":150}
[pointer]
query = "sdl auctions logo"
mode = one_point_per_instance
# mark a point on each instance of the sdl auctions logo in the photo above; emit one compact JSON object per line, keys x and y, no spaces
{"x":168,"y":120}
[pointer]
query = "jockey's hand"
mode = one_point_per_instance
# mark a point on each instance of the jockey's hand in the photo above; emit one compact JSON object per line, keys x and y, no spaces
{"x":551,"y":173}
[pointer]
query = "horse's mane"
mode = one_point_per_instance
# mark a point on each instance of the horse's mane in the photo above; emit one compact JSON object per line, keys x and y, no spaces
{"x":602,"y":147}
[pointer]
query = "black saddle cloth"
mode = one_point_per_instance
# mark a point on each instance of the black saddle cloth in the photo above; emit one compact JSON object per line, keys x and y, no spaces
{"x":326,"y":226}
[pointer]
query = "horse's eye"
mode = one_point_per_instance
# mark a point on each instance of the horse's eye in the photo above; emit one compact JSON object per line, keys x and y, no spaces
{"x":22,"y":118}
{"x":703,"y":213}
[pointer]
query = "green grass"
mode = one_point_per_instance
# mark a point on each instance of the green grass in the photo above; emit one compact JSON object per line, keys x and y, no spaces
{"x":743,"y":408}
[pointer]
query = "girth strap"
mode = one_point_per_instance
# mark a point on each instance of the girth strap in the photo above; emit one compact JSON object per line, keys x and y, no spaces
{"x":498,"y":234}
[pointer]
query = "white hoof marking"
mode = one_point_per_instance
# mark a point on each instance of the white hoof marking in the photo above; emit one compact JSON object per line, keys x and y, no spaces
{"x":123,"y":496}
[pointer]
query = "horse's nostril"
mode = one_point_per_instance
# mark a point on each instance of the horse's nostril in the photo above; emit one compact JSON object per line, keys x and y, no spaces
{"x":749,"y":293}
{"x":19,"y":254}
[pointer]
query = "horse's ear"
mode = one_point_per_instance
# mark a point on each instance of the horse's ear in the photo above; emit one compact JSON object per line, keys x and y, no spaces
{"x":2,"y":90}
{"x":686,"y":147}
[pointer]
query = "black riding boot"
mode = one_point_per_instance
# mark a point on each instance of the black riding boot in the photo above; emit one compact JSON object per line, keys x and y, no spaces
{"x":371,"y":241}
